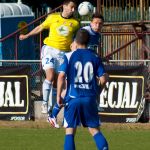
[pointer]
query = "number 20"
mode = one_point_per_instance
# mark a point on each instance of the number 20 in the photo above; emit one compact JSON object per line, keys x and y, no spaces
{"x":87,"y":72}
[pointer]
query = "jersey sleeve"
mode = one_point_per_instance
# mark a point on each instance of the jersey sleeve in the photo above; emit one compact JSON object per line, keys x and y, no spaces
{"x":101,"y":69}
{"x":64,"y":66}
{"x":46,"y":24}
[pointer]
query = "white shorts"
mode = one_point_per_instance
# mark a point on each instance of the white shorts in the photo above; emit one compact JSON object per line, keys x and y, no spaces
{"x":51,"y":57}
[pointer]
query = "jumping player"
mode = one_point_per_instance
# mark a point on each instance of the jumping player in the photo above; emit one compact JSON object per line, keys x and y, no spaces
{"x":62,"y":27}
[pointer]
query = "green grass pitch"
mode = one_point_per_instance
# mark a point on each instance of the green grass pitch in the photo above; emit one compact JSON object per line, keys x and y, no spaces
{"x":42,"y":137}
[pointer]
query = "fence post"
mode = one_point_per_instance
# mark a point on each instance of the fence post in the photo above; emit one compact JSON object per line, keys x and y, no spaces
{"x":98,"y":8}
{"x":142,"y":9}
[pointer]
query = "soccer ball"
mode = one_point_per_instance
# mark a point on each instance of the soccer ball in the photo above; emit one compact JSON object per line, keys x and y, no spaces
{"x":85,"y":8}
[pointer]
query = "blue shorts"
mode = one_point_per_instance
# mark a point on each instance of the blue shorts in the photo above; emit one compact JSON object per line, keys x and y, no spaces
{"x":81,"y":110}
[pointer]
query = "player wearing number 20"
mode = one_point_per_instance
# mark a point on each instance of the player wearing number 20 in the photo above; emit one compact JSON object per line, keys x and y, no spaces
{"x":83,"y":68}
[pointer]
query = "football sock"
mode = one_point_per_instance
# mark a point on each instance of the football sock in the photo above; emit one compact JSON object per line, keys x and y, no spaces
{"x":46,"y":91}
{"x":100,"y":141}
{"x":69,"y":142}
{"x":55,"y":111}
{"x":52,"y":96}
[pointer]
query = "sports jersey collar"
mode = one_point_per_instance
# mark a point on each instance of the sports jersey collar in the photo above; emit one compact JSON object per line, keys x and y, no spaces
{"x":82,"y":49}
{"x":85,"y":49}
{"x":66,"y":17}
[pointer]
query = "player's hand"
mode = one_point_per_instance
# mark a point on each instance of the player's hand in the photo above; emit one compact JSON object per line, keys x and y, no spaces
{"x":23,"y":37}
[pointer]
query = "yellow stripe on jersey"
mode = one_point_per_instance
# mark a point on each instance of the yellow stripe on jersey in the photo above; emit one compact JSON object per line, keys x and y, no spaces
{"x":61,"y":31}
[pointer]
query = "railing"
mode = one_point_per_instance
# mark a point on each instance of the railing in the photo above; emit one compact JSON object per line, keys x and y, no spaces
{"x":17,"y":32}
{"x":121,"y":40}
{"x":131,"y":37}
{"x":31,"y":23}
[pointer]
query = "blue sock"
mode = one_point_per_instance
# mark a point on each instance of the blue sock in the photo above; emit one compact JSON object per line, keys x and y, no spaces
{"x":69,"y":142}
{"x":55,"y":110}
{"x":100,"y":141}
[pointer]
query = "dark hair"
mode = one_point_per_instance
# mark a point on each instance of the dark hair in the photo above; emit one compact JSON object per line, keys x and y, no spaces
{"x":68,"y":1}
{"x":97,"y":15}
{"x":82,"y":37}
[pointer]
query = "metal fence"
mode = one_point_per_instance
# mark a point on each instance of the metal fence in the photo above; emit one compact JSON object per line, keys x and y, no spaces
{"x":124,"y":10}
{"x":113,"y":36}
{"x":37,"y":75}
{"x":117,"y":36}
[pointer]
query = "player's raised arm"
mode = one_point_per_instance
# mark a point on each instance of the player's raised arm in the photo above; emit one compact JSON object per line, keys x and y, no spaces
{"x":35,"y":31}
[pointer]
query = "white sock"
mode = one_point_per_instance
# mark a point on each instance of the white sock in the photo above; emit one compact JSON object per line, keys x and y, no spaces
{"x":46,"y":91}
{"x":52,"y":97}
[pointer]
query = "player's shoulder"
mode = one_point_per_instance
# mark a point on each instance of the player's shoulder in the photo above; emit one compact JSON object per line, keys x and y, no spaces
{"x":75,"y":20}
{"x":86,"y":27}
{"x":69,"y":54}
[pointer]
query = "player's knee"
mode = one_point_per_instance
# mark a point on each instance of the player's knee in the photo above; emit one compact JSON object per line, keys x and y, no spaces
{"x":93,"y":131}
{"x":70,"y":131}
{"x":50,"y":73}
{"x":49,"y":79}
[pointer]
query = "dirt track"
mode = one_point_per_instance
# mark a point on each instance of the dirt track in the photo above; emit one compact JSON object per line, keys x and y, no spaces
{"x":44,"y":124}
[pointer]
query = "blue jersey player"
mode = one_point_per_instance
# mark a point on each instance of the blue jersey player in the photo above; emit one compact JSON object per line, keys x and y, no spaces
{"x":84,"y":70}
{"x":94,"y":30}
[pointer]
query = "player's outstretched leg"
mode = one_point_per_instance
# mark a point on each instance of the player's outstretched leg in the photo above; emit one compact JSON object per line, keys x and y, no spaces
{"x":46,"y":91}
